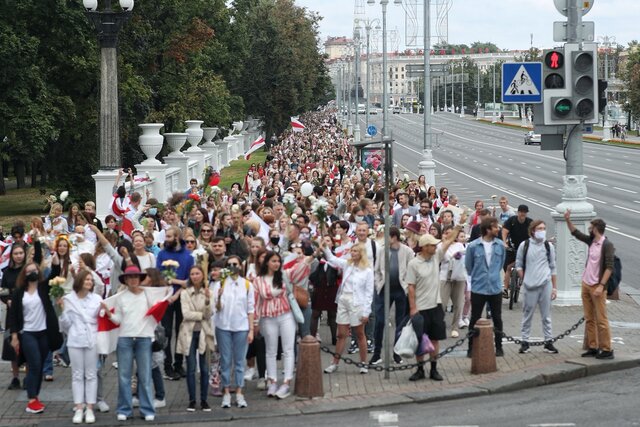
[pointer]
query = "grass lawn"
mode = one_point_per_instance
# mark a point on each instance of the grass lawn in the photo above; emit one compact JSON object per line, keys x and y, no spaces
{"x":20,"y":204}
{"x":236,"y":171}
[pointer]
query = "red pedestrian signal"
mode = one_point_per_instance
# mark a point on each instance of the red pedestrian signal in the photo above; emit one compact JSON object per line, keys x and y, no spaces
{"x":554,"y":60}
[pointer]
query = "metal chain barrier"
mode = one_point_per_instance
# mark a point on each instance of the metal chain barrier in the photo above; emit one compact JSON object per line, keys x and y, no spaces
{"x":552,"y":340}
{"x":471,"y":333}
{"x":402,"y":367}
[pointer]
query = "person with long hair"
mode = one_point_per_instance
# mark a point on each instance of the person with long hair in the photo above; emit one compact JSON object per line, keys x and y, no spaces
{"x":10,"y":273}
{"x":55,"y":223}
{"x":34,"y":329}
{"x":79,"y":321}
{"x":196,"y":337}
{"x":276,"y":319}
{"x":234,"y":308}
{"x":205,"y":237}
{"x":134,"y":343}
{"x":256,"y":352}
{"x":122,"y":256}
{"x":354,"y":300}
{"x":74,"y":211}
{"x":145,"y":259}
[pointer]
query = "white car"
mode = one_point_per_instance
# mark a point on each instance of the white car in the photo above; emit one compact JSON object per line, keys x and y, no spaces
{"x":532,"y":138}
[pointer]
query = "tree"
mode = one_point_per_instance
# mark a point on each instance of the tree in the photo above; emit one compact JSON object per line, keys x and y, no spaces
{"x":631,"y":77}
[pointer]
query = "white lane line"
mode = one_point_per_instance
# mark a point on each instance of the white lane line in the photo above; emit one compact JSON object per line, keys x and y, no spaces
{"x":626,"y":209}
{"x":612,"y":227}
{"x":497,"y":169}
{"x":538,"y":167}
{"x":625,"y":190}
{"x":596,"y":200}
{"x":598,"y":183}
{"x":544,"y":185}
{"x":522,"y":163}
{"x":636,"y":201}
{"x":554,"y":171}
{"x":544,"y":204}
{"x":552,"y":425}
{"x":510,"y":173}
{"x":526,"y":179}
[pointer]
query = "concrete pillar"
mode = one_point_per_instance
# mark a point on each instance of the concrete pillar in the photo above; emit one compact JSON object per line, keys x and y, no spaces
{"x":110,"y":156}
{"x":427,"y":167}
{"x":196,"y":153}
{"x":309,"y":370}
{"x":104,"y":180}
{"x":483,"y":352}
{"x":158,"y":174}
{"x":181,"y":163}
{"x":223,"y":151}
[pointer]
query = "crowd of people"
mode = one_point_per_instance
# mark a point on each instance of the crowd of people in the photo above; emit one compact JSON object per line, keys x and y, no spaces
{"x":245,"y":271}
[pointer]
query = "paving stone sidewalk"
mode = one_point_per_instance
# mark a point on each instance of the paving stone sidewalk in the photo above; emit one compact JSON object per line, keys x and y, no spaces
{"x":347,"y":389}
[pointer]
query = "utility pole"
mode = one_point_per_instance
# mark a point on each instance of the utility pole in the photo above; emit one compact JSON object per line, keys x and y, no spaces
{"x":356,"y":40}
{"x":427,"y":166}
{"x":495,"y":116}
{"x":462,"y":89}
{"x":478,"y":101}
{"x":606,"y":41}
{"x":453,"y":102}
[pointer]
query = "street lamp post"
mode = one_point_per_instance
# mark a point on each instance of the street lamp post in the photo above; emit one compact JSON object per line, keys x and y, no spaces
{"x":367,"y":27}
{"x":356,"y":41}
{"x":453,"y":102}
{"x":495,"y":116}
{"x":107,"y":24}
{"x":462,"y":89}
{"x":427,"y":166}
{"x":478,"y":100}
{"x":606,"y":42}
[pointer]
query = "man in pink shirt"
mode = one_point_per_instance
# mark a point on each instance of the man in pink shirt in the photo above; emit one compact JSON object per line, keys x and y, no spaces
{"x":598,"y":269}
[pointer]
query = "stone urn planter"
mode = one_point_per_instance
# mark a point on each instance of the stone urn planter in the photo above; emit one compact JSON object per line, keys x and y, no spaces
{"x":209,"y":134}
{"x":176,"y":141}
{"x":195,"y":133}
{"x":151,"y":142}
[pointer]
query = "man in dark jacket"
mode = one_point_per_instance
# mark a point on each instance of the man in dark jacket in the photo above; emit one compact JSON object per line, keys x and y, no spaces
{"x":598,"y":269}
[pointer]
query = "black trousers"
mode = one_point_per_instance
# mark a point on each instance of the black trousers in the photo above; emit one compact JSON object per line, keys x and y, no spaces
{"x":478,"y":301}
{"x":174,"y":312}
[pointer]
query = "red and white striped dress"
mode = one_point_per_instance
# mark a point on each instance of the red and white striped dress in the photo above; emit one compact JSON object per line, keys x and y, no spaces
{"x":268,"y":305}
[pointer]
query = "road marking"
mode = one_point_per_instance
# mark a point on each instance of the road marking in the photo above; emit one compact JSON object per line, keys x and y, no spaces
{"x":526,"y":179}
{"x":544,"y":185}
{"x":625,"y":190}
{"x":538,"y":167}
{"x":554,"y":171}
{"x":552,"y":425}
{"x":497,"y":169}
{"x":626,"y":209}
{"x":637,"y":239}
{"x":598,"y":183}
{"x":596,"y":200}
{"x":636,"y":201}
{"x":522,"y":163}
{"x":510,"y":173}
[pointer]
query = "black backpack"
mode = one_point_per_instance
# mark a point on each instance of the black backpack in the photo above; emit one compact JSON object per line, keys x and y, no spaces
{"x":159,"y":338}
{"x":616,"y":276}
{"x":547,"y":246}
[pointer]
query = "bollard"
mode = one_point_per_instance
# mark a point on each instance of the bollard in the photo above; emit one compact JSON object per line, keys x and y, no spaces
{"x":309,"y":370}
{"x":483,"y":352}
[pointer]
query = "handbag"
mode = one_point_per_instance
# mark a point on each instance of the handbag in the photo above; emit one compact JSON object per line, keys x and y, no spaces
{"x":301,"y":295}
{"x":295,"y":308}
{"x":407,"y":343}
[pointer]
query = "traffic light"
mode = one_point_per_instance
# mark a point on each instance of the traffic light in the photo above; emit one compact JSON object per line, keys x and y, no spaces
{"x":602,"y":95}
{"x":571,"y":85}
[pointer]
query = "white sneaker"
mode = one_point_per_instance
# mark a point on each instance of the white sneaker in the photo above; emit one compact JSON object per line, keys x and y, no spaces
{"x":262,"y":384}
{"x":77,"y":416}
{"x":149,"y":417}
{"x":331,"y":369}
{"x":461,"y":324}
{"x":226,"y":401}
{"x":466,"y":321}
{"x":272,"y":389}
{"x":122,"y":417}
{"x":103,"y":406}
{"x":115,"y":365}
{"x":89,"y":416}
{"x":454,"y":334}
{"x":283,"y":392}
{"x":241,"y":402}
{"x":250,"y":374}
{"x":159,"y":403}
{"x":135,"y":402}
{"x":364,"y":370}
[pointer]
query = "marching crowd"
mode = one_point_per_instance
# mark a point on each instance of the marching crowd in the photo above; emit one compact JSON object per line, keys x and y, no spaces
{"x":222,"y":282}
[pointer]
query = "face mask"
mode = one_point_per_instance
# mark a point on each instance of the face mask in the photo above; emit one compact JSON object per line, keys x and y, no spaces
{"x":153,"y":211}
{"x":540,"y":234}
{"x":233,"y":269}
{"x":359,"y":218}
{"x":274,"y":240}
{"x":304,"y":236}
{"x":170,"y":245}
{"x":32,"y":277}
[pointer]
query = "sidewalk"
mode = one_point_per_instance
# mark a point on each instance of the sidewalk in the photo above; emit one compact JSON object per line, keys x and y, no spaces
{"x":347,"y":389}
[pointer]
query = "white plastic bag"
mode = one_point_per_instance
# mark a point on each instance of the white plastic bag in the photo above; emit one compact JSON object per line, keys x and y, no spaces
{"x":407,"y":343}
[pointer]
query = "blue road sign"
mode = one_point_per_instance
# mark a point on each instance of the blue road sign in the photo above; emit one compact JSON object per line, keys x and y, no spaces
{"x":371,"y":130}
{"x":522,"y":83}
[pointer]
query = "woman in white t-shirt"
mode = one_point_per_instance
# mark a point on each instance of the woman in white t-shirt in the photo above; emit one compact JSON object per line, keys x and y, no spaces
{"x":145,"y":259}
{"x":453,"y":279}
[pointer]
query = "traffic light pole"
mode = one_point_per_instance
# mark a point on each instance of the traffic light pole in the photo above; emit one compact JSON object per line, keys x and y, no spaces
{"x":571,"y":254}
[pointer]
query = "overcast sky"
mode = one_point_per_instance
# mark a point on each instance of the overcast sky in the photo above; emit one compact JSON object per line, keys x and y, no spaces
{"x":507,"y":23}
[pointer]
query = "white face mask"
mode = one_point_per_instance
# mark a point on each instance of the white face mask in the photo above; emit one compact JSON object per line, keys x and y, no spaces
{"x":540,"y":234}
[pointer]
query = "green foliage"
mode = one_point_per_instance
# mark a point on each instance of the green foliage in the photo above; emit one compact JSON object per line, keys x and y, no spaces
{"x":631,"y":77}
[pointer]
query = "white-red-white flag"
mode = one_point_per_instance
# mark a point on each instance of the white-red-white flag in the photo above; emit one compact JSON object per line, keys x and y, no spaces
{"x":255,"y":146}
{"x":296,"y":125}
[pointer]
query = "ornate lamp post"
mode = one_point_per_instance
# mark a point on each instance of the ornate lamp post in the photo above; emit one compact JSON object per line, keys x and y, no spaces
{"x":368,"y":25}
{"x":107,"y":23}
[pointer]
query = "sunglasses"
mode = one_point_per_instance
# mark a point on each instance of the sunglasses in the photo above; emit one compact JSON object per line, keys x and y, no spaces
{"x":193,"y":242}
{"x":233,"y":263}
{"x":206,"y":230}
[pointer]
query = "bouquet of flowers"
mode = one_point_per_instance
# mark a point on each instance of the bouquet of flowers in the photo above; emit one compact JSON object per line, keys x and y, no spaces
{"x":289,"y":201}
{"x":170,"y":266}
{"x":319,"y":209}
{"x":56,"y":291}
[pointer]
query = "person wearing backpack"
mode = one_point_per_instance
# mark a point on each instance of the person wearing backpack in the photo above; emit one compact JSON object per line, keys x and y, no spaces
{"x":598,"y":269}
{"x":536,"y":266}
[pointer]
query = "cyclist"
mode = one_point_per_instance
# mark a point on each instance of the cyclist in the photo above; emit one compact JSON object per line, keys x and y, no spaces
{"x":515,"y":230}
{"x":536,"y":266}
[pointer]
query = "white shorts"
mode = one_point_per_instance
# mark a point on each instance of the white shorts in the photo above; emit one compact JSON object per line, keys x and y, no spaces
{"x":348,"y":313}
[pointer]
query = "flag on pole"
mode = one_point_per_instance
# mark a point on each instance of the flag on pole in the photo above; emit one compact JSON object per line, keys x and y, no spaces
{"x":296,"y":125}
{"x":255,"y":146}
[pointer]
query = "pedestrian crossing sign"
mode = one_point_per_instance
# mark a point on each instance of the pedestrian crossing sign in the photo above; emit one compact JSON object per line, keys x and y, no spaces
{"x":522,"y":83}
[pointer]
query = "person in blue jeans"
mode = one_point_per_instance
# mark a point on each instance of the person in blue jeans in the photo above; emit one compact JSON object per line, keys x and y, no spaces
{"x":234,"y":311}
{"x":400,"y":255}
{"x":134,"y":343}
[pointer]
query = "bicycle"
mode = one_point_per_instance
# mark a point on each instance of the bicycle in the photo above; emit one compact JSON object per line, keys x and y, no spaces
{"x":515,"y":282}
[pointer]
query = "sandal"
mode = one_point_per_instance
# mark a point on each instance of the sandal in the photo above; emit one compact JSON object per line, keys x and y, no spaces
{"x":48,"y":378}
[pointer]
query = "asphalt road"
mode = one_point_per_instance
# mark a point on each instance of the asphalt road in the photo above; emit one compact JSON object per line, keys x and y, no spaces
{"x":477,"y":160}
{"x":603,"y":400}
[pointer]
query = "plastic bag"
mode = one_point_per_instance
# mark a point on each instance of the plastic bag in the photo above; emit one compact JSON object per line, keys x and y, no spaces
{"x":426,"y":346}
{"x":407,"y":343}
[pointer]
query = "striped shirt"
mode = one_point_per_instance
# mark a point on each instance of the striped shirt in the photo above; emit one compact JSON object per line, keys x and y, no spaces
{"x":270,"y":305}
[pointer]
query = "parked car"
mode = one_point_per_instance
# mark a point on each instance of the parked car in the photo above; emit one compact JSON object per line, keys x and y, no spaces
{"x":532,"y":138}
{"x":397,"y":110}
